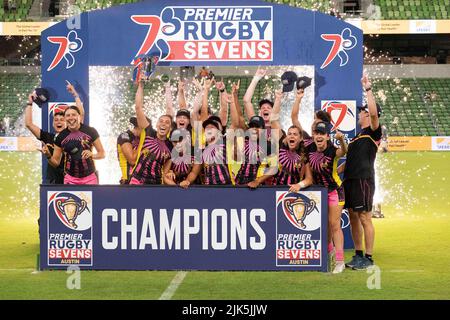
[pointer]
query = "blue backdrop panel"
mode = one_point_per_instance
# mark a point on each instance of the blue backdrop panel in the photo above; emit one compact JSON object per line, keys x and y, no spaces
{"x":114,"y":36}
{"x":168,"y":228}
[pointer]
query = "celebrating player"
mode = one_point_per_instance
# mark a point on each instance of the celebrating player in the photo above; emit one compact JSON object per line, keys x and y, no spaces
{"x":180,"y":165}
{"x":294,"y":169}
{"x":154,"y":150}
{"x":323,"y":157}
{"x":214,"y":157}
{"x":265,"y":106}
{"x":54,"y":175}
{"x":77,"y":142}
{"x":127,"y":150}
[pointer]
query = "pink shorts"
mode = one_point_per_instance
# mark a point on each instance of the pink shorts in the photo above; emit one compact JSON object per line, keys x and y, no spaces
{"x":135,"y":181}
{"x":336,"y":197}
{"x":90,"y":179}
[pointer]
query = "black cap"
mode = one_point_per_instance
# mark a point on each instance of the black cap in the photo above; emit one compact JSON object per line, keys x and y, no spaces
{"x":264,"y":101}
{"x":41,"y":96}
{"x":322,"y":127}
{"x":303,"y":82}
{"x":214,"y":120}
{"x":256,"y":122}
{"x":183,"y":112}
{"x":288,"y":80}
{"x":366,"y":108}
{"x":134,"y":122}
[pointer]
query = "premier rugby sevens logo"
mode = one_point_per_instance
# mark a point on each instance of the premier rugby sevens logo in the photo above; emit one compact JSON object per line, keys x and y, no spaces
{"x":341,"y":44}
{"x":342,"y":114}
{"x":73,"y":209}
{"x":67,"y":46}
{"x":297,"y":207}
{"x":55,"y":107}
{"x":208,"y":34}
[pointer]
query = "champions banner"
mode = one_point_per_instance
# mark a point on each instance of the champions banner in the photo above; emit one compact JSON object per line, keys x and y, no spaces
{"x":168,"y":228}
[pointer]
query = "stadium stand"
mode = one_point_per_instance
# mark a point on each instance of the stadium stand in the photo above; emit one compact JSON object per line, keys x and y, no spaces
{"x":86,"y":5}
{"x":14,"y":89}
{"x":19,"y":10}
{"x":413,"y":9}
{"x":415,"y":107}
{"x":15,"y":10}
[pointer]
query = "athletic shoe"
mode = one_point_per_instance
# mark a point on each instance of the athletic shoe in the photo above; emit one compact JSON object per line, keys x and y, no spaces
{"x":331,"y":260}
{"x":355,"y":260}
{"x":363,"y":264}
{"x":340,"y":266}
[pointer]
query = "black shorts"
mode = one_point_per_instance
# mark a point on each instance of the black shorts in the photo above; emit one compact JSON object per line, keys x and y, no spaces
{"x":359,"y":194}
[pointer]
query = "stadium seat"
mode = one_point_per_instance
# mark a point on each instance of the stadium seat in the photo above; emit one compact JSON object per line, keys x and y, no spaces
{"x":423,"y":9}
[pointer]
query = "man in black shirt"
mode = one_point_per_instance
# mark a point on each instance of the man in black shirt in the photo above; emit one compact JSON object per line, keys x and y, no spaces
{"x":54,"y":175}
{"x":359,"y":179}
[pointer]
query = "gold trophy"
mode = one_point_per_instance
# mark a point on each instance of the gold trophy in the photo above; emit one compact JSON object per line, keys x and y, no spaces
{"x":299,"y":209}
{"x":71,"y":209}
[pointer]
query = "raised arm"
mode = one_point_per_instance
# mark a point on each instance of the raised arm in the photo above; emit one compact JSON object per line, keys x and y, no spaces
{"x":275,"y":115}
{"x":235,"y":93}
{"x":181,"y":95}
{"x":139,"y":105}
{"x":169,"y":103}
{"x":197,"y":104}
{"x":78,"y":101}
{"x":35,"y":130}
{"x":223,"y":102}
{"x":372,"y":106}
{"x":249,"y":110}
{"x":296,"y":108}
{"x":204,"y":110}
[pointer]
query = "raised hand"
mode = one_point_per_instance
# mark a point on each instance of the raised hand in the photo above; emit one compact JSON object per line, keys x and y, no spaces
{"x":260,"y":72}
{"x":300,"y":93}
{"x":366,"y":82}
{"x":235,"y":86}
{"x":197,"y":84}
{"x":71,"y":89}
{"x":209,"y":83}
{"x":220,"y":85}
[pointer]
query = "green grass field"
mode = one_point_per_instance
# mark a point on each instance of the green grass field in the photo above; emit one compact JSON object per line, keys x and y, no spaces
{"x":412,"y":246}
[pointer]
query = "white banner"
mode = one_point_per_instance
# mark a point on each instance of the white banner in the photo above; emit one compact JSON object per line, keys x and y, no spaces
{"x":8,"y":144}
{"x":440,"y":143}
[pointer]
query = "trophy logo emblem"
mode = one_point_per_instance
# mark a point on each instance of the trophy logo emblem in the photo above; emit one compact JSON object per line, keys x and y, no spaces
{"x":71,"y":209}
{"x":297,"y":208}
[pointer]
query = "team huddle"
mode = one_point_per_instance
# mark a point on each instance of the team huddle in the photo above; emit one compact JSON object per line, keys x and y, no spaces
{"x":194,"y":147}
